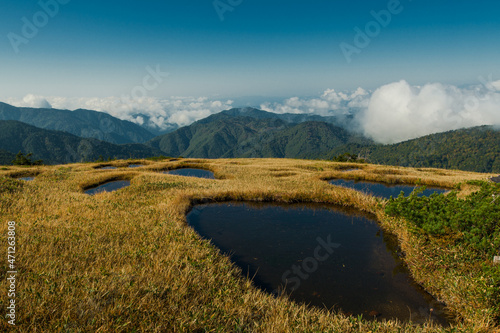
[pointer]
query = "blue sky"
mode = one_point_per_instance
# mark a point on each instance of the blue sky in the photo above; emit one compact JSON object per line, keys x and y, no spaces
{"x":264,"y":48}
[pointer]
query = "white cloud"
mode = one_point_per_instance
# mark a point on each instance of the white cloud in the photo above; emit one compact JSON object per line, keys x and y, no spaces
{"x":330,"y":103}
{"x":496,"y":85}
{"x":160,"y":112}
{"x":34,"y":101}
{"x":399,"y":112}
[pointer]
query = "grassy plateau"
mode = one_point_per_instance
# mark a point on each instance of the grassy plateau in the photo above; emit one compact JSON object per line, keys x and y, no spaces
{"x":127,"y":261}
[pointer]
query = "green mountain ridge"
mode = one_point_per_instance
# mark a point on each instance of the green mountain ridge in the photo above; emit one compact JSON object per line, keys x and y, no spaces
{"x":471,"y":149}
{"x":217,"y":137}
{"x":83,"y":123}
{"x":255,"y":133}
{"x":226,"y":136}
{"x":310,"y":140}
{"x":292,"y":118}
{"x":252,"y":133}
{"x":56,"y":147}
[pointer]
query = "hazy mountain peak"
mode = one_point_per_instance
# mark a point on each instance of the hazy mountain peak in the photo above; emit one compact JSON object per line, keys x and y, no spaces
{"x":81,"y":122}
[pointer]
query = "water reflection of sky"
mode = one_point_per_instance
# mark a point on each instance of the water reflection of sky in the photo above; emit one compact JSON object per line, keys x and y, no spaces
{"x":108,"y":187}
{"x":199,"y":173}
{"x":383,"y":190}
{"x":28,"y":179}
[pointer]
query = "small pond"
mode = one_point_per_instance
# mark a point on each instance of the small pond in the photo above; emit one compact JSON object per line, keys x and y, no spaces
{"x":135,"y":165}
{"x":107,"y":168}
{"x":320,"y":255}
{"x":108,"y":187}
{"x":349,"y":170}
{"x":383,"y":190}
{"x":28,"y":179}
{"x":199,"y":173}
{"x":496,"y":179}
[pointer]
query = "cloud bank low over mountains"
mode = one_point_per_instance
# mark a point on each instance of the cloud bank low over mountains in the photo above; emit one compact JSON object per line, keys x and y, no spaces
{"x":149,"y":111}
{"x":330,"y":103}
{"x":398,"y":112}
{"x":392,"y":113}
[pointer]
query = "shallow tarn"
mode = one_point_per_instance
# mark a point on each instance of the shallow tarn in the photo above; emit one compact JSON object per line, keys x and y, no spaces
{"x":28,"y":179}
{"x":135,"y":165}
{"x":384,"y":190}
{"x":189,"y":172}
{"x":108,"y":187}
{"x":321,"y":255}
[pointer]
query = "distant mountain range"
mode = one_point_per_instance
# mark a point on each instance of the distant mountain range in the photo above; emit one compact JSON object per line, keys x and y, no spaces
{"x":83,"y":123}
{"x":242,"y":133}
{"x":256,"y":133}
{"x":56,"y":147}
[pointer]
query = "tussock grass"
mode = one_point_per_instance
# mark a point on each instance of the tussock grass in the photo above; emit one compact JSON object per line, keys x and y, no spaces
{"x":127,"y":261}
{"x":409,"y":176}
{"x":174,"y":165}
{"x":18,"y":172}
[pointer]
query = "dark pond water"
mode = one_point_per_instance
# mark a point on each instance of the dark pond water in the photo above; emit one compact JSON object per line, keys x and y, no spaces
{"x":320,"y":255}
{"x":135,"y":165}
{"x":199,"y":173}
{"x":496,"y":179}
{"x":108,"y":187}
{"x":107,"y":168}
{"x":383,"y":190}
{"x":27,"y":178}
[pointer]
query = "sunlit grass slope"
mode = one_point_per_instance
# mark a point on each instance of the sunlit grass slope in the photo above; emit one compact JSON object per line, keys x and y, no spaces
{"x":127,"y":261}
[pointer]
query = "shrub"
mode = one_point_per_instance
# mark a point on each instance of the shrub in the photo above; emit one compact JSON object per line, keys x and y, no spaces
{"x":347,"y":157}
{"x":473,"y":221}
{"x":25,"y":160}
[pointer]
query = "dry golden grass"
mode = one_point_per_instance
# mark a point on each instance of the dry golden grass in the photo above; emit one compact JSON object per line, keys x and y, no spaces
{"x":127,"y":261}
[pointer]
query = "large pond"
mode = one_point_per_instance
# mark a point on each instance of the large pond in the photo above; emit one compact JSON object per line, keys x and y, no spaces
{"x":383,"y":190}
{"x":108,"y":187}
{"x":199,"y":173}
{"x":320,"y":255}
